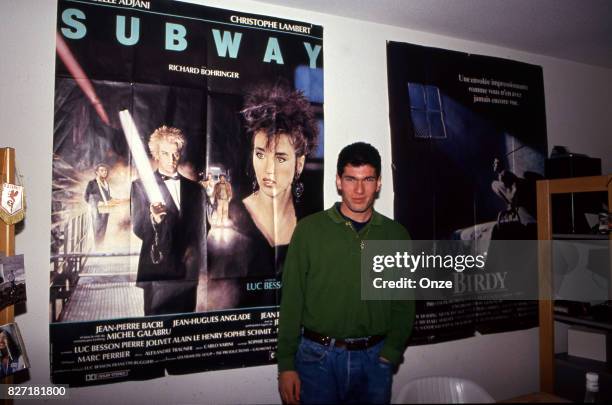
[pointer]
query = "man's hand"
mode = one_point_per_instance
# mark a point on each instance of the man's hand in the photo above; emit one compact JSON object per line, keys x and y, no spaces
{"x":289,"y":386}
{"x":158,"y":212}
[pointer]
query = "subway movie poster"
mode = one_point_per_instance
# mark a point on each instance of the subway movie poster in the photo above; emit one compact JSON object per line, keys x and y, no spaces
{"x":188,"y":141}
{"x":468,"y":137}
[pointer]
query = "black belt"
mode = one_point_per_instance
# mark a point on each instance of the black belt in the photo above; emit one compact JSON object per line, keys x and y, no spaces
{"x":350,"y":344}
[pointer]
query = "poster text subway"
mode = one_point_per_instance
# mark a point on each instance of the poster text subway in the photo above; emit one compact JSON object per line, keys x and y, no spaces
{"x":227,"y":43}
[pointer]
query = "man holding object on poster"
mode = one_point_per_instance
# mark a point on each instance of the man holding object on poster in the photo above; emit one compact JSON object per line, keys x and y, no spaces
{"x":97,"y":195}
{"x":172,"y":231}
{"x":334,"y":347}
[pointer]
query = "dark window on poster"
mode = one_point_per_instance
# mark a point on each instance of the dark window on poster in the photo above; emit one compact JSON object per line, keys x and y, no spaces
{"x":310,"y":82}
{"x":426,"y":111}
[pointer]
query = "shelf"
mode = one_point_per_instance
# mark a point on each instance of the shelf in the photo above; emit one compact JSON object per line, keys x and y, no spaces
{"x":570,"y":380}
{"x":600,"y":367}
{"x":583,"y":321}
{"x":570,"y":377}
{"x":580,"y":236}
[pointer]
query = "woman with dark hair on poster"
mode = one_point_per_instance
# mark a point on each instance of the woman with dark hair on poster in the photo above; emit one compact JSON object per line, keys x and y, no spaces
{"x":283,"y":130}
{"x":10,"y":354}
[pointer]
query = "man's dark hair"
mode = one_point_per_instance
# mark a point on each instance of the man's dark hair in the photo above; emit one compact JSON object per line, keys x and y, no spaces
{"x":358,"y":154}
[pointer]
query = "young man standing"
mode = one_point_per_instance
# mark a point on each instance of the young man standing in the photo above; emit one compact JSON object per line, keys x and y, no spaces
{"x":334,"y":347}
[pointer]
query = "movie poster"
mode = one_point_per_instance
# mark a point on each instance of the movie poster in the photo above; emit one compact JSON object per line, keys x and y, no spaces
{"x":188,"y":141}
{"x":468,"y":137}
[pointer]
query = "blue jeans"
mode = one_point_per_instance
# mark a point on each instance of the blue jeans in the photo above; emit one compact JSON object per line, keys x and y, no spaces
{"x":333,"y":375}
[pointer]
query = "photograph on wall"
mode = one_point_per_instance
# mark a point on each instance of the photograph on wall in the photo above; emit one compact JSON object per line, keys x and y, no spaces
{"x":468,"y":137}
{"x":12,"y":350}
{"x":12,"y":280}
{"x":188,"y":142}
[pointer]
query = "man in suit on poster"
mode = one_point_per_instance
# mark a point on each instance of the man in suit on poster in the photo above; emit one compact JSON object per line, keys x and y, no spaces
{"x":172,"y":231}
{"x":97,"y":195}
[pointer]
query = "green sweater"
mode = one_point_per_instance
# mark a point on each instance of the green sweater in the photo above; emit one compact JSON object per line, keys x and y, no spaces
{"x":322,"y":287}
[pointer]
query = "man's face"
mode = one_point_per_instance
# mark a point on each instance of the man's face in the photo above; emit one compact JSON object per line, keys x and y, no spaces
{"x":168,"y":157}
{"x":358,"y":187}
{"x":102,"y":172}
{"x":222,"y":179}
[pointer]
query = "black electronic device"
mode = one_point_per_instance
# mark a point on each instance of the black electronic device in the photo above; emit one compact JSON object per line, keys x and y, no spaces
{"x":570,"y":209}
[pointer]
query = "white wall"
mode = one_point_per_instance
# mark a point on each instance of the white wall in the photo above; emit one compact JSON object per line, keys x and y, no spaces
{"x":579,"y":115}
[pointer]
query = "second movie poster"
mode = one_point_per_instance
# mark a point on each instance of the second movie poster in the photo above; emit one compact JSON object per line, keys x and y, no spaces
{"x":468,"y":135}
{"x":188,"y":141}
